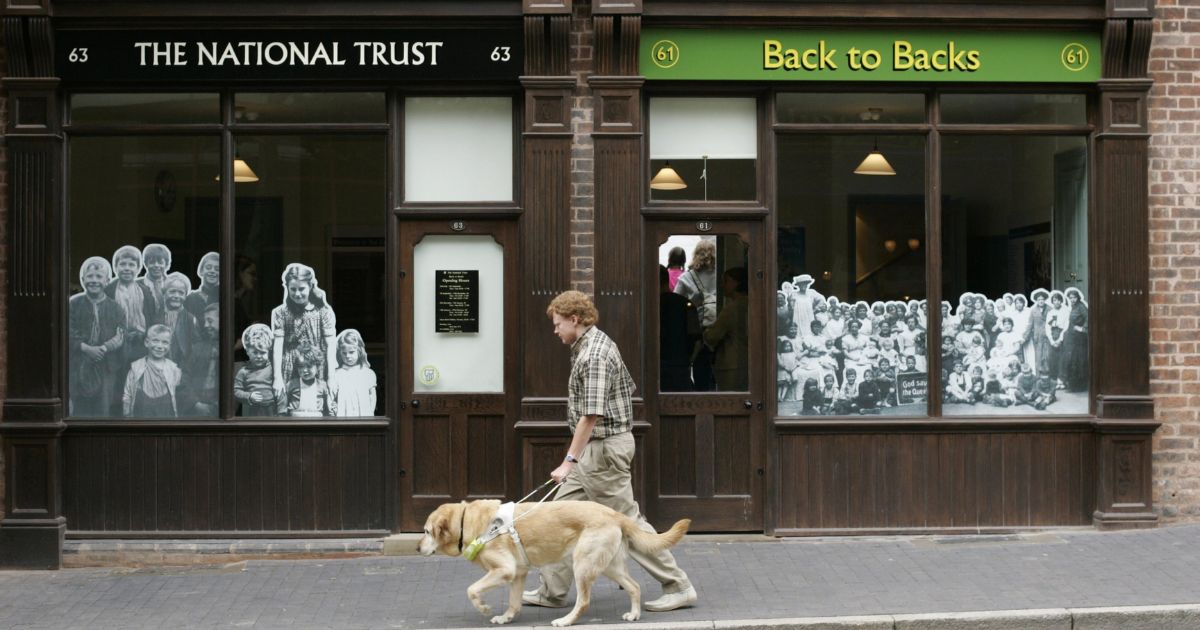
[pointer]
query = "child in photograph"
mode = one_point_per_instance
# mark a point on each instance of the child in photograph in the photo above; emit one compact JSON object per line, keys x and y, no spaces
{"x":1045,"y":392}
{"x":1026,"y":389}
{"x":137,"y":300}
{"x":157,"y":260}
{"x":949,"y":355}
{"x":1008,"y":345}
{"x":209,"y":271}
{"x":885,"y":380}
{"x":910,"y":365}
{"x":153,"y":379}
{"x":785,"y":359}
{"x":868,"y":393}
{"x":993,"y":391}
{"x":830,"y":395}
{"x":253,"y":385}
{"x":96,"y":330}
{"x":307,"y":394}
{"x":198,"y":393}
{"x":353,"y":384}
{"x":957,"y":385}
{"x":176,"y":317}
{"x":976,"y":354}
{"x":812,"y":398}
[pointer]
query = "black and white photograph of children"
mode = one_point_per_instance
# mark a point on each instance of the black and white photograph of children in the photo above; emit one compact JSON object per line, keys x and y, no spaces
{"x":1015,"y":355}
{"x":842,"y":358}
{"x":135,"y":348}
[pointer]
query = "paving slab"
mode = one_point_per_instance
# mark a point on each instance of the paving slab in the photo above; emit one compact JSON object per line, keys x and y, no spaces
{"x":771,"y":585}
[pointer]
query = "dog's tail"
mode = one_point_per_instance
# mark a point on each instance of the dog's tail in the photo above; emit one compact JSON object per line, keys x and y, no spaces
{"x":651,"y":543}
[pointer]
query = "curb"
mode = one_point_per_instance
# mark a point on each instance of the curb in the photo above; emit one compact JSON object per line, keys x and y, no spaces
{"x":1169,"y":617}
{"x":108,"y":553}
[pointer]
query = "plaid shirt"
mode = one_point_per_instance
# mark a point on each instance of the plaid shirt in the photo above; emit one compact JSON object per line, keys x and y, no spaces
{"x":600,"y":385}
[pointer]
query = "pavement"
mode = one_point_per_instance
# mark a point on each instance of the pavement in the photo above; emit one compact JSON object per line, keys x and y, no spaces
{"x":1074,"y":579}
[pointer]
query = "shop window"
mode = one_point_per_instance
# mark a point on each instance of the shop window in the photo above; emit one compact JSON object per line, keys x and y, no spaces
{"x":145,"y":109}
{"x":849,"y":108}
{"x":309,"y":107}
{"x":710,"y":146}
{"x":1015,"y":109}
{"x":309,"y":273}
{"x":458,"y":284}
{"x":851,"y":316}
{"x":458,"y":149}
{"x":1015,"y":275}
{"x":143,"y":319}
{"x":703,"y":314}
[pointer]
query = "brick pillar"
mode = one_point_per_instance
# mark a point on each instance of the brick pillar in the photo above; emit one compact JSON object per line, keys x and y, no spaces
{"x":1174,"y":179}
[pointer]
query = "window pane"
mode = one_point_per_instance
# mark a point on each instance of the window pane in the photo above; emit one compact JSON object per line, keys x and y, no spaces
{"x":1062,"y":109}
{"x":458,"y":314}
{"x":822,"y":107}
{"x":143,"y":340}
{"x":144,"y":109}
{"x":711,"y":143}
{"x":458,"y":149}
{"x":850,"y":308}
{"x":309,"y":268}
{"x":703,"y":306}
{"x":309,"y":107}
{"x":1015,"y":329}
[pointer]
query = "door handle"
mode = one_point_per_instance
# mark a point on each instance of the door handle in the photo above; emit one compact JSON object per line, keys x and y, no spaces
{"x":415,"y":403}
{"x":759,"y":406}
{"x":748,"y":404}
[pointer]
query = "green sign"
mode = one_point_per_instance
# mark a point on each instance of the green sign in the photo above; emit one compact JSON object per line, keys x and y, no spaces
{"x":870,"y":55}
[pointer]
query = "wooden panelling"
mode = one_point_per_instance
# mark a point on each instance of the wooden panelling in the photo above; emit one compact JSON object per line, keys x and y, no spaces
{"x":433,"y":441}
{"x":832,"y":482}
{"x":618,"y":266}
{"x":163,"y":485}
{"x":732,"y":471}
{"x":545,"y":226}
{"x":1122,"y":348}
{"x":677,"y":455}
{"x":485,"y":451}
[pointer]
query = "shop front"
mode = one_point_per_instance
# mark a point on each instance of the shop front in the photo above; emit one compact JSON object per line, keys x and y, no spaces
{"x":286,"y":275}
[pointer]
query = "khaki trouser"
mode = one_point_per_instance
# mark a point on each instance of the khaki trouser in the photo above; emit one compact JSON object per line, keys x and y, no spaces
{"x":602,"y":475}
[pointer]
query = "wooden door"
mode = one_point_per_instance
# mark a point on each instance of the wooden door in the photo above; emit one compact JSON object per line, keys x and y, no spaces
{"x":457,"y":374}
{"x":707,"y":459}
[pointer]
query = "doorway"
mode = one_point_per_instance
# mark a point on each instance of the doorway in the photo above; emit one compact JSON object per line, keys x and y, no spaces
{"x":457,"y":382}
{"x":706,"y":373}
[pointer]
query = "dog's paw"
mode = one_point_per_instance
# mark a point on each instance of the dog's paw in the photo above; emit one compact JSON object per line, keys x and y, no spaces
{"x":631,"y":616}
{"x":484,"y":609}
{"x":562,"y":622}
{"x":501,"y":619}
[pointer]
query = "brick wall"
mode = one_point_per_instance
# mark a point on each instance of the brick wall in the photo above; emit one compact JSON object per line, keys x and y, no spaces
{"x":582,"y":195}
{"x":1175,"y":257}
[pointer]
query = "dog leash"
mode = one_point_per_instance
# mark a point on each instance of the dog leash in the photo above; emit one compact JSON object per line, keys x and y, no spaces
{"x":505,"y":522}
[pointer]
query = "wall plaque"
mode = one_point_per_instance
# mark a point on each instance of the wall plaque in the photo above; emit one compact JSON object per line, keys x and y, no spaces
{"x":456,"y":301}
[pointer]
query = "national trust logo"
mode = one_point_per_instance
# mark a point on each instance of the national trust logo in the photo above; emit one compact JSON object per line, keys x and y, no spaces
{"x":664,"y":53}
{"x":1074,"y":57}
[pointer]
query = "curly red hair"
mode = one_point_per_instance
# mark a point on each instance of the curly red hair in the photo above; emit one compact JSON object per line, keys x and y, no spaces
{"x":574,"y":303}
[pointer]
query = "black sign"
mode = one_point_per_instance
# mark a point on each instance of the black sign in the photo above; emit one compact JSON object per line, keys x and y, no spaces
{"x":289,"y":54}
{"x":457,"y":301}
{"x":912,"y":388}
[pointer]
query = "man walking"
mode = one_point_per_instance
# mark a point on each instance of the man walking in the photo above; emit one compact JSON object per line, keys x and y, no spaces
{"x":597,"y":464}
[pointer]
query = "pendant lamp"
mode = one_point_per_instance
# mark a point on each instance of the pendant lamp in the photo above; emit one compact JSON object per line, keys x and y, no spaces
{"x":875,"y":163}
{"x":667,"y":179}
{"x":242,"y":173}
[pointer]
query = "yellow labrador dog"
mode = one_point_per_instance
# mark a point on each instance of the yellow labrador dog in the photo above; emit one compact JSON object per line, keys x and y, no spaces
{"x":593,"y":534}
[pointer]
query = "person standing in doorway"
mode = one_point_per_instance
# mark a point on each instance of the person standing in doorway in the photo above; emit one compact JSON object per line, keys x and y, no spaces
{"x":598,"y":461}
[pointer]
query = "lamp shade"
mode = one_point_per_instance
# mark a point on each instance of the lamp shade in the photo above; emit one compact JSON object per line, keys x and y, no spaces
{"x":874,"y":164}
{"x":242,"y":173}
{"x":667,"y":179}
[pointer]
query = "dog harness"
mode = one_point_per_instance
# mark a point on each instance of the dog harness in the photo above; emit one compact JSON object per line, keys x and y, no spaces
{"x":504,"y":522}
